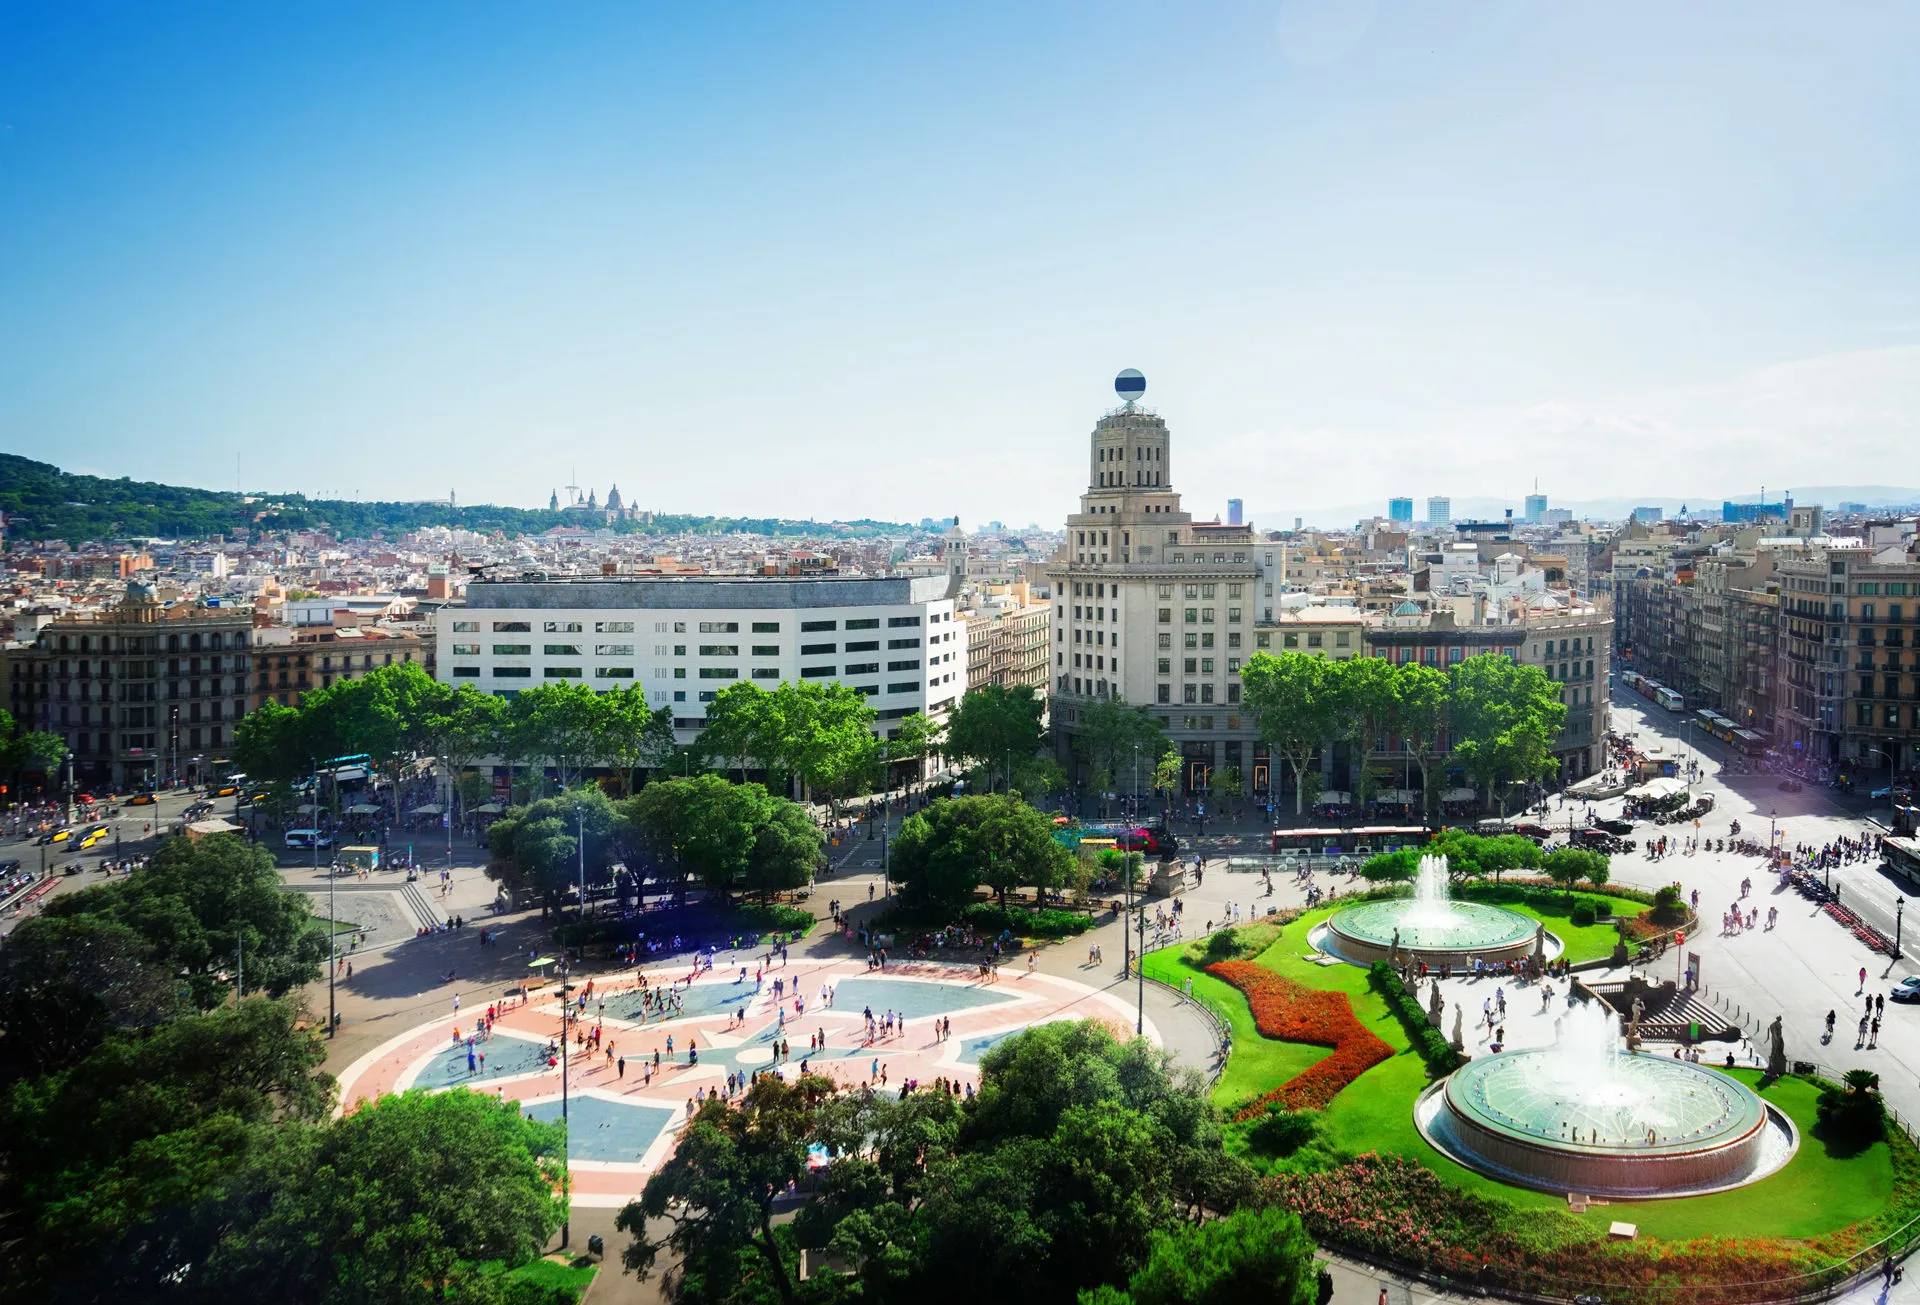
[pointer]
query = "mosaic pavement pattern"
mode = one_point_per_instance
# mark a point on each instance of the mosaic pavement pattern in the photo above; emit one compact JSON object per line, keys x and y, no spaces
{"x":623,"y":1125}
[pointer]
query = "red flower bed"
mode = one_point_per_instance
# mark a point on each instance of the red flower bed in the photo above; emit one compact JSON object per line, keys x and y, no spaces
{"x":1290,"y":1012}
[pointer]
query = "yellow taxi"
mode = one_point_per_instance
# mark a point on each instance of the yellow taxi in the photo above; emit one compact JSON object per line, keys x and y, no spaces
{"x":97,"y":836}
{"x":142,"y":800}
{"x":225,"y":791}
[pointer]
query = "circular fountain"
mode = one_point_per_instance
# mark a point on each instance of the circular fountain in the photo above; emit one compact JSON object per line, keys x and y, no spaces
{"x":1431,"y":927}
{"x":1585,"y":1116}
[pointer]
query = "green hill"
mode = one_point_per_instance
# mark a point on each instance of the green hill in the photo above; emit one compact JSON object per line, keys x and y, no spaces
{"x":43,"y":502}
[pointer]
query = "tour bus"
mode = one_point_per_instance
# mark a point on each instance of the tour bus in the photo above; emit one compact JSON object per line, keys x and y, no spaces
{"x":1362,"y":840}
{"x":1671,"y":699}
{"x":1153,"y":840}
{"x":1901,"y":858}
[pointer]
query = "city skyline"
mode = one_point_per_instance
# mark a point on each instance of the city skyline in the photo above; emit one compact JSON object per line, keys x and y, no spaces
{"x":1363,"y":249}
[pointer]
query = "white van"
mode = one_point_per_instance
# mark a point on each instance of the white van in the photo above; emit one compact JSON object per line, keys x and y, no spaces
{"x":308,"y":838}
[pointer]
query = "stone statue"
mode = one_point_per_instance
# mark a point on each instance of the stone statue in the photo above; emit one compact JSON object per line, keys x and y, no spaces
{"x":1459,"y":1034}
{"x":1396,"y":946}
{"x":1433,"y":1008}
{"x":1639,"y":1013}
{"x":1776,"y":1050}
{"x":1540,"y":945}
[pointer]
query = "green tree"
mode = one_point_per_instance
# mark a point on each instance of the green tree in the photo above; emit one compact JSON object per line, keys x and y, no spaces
{"x":270,"y":744}
{"x":67,"y":983}
{"x":392,"y":1201}
{"x":199,"y":905}
{"x":123,"y":1172}
{"x":462,"y":726}
{"x":1419,"y":718}
{"x":24,"y":751}
{"x":1296,"y":702}
{"x":1110,"y":730}
{"x":1166,"y":777}
{"x":535,"y":849}
{"x":1365,"y":704}
{"x":1252,"y":1257}
{"x":726,"y":835}
{"x":996,"y":727}
{"x":1505,"y":717}
{"x":819,"y":734}
{"x":564,"y":724}
{"x":1568,"y":866}
{"x":716,"y":1193}
{"x":636,"y":735}
{"x":787,"y":848}
{"x":912,"y":740}
{"x":944,"y":852}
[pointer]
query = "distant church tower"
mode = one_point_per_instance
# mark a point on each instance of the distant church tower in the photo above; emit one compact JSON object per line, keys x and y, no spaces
{"x":553,"y":501}
{"x":955,"y":547}
{"x":613,"y":500}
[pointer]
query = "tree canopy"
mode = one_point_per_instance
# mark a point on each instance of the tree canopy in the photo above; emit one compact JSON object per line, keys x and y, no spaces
{"x":1112,"y":732}
{"x":996,"y":728}
{"x":1079,"y":1152}
{"x":201,"y":906}
{"x":956,"y":844}
{"x":1500,"y":717}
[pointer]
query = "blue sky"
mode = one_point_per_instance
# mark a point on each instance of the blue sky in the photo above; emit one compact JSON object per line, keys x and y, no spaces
{"x":884,"y":259}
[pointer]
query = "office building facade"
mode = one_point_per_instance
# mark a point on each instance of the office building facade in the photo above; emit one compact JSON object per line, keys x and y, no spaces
{"x":1439,"y":511}
{"x":681,"y":641}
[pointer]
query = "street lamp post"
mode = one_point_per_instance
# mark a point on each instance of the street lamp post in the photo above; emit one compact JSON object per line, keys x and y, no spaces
{"x":1140,"y":980}
{"x":333,"y":933}
{"x":1899,"y":910}
{"x":566,"y":1137}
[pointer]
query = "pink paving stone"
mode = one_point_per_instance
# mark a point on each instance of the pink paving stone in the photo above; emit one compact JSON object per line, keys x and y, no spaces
{"x":1034,"y":999}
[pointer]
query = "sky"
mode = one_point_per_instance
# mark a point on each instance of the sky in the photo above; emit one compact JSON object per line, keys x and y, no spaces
{"x":883,"y":260}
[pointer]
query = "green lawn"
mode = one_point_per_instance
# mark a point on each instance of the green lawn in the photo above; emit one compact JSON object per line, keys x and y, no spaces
{"x":1815,"y":1193}
{"x":569,"y":1275}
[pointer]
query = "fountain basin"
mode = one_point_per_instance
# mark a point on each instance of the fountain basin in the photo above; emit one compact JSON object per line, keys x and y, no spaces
{"x":1364,"y":933}
{"x":1645,"y":1127}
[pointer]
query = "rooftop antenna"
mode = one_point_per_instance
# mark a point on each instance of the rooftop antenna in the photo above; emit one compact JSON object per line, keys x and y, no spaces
{"x":1130,"y":385}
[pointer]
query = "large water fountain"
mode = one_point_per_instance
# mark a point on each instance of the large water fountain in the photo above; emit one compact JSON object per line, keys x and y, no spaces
{"x":1430,"y":926}
{"x":1583,"y":1115}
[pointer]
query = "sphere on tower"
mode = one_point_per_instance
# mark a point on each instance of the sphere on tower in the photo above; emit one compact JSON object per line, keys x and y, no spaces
{"x":1130,"y":385}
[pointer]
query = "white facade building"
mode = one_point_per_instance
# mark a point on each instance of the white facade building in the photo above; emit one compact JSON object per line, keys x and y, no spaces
{"x":684,"y":640}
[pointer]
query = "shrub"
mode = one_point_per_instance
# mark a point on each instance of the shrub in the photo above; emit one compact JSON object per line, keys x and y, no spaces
{"x":991,"y":918}
{"x":1602,"y":908}
{"x":1432,"y":1045}
{"x":1281,"y":1132}
{"x":1223,"y":946}
{"x":1581,"y":916}
{"x":1667,"y":898}
{"x":1853,"y":1115}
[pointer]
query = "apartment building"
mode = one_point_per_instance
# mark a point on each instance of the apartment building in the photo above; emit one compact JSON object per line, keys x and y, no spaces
{"x":681,"y":641}
{"x":291,"y":661}
{"x":141,"y":691}
{"x":1849,"y":682}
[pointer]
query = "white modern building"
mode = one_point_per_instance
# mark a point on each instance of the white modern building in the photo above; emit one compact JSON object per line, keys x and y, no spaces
{"x":682,"y":640}
{"x":1439,"y":510}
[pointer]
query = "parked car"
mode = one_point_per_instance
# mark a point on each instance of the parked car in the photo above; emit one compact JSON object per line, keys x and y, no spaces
{"x":1908,"y":989}
{"x":1538,"y":833}
{"x":1620,"y":828}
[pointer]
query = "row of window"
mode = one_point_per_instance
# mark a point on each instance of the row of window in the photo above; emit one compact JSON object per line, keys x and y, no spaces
{"x":1201,"y":615}
{"x":680,"y":627}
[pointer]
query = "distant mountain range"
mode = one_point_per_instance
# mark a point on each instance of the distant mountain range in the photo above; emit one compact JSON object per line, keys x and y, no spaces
{"x":40,"y":501}
{"x":1480,"y":508}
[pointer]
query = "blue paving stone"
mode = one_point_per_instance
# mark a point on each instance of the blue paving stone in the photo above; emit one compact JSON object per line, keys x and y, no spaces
{"x":603,"y":1130}
{"x":914,"y":1000}
{"x":505,"y":1056}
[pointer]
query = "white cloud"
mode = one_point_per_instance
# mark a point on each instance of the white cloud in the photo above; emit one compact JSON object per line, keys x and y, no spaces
{"x":1837,"y":418}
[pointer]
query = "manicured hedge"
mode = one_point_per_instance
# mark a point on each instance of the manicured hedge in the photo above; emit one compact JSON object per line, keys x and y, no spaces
{"x":992,"y":918}
{"x":1440,"y":1056}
